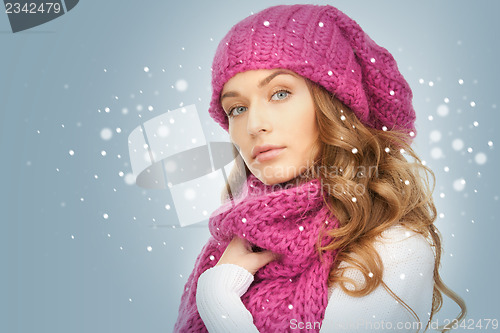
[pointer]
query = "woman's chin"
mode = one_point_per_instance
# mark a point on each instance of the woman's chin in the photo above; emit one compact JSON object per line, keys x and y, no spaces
{"x":273,"y":179}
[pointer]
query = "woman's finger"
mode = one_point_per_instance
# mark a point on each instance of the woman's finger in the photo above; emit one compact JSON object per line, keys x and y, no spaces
{"x":239,"y":252}
{"x":265,"y":257}
{"x":240,"y":244}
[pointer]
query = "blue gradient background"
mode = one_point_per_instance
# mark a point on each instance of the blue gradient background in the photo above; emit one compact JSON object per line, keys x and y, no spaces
{"x":64,"y":268}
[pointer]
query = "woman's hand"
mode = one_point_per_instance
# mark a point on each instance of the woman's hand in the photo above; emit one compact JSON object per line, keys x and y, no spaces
{"x":239,"y":252}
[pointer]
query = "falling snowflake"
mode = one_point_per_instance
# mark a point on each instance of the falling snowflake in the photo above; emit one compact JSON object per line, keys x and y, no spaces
{"x":459,"y":184}
{"x":480,"y":158}
{"x":181,"y":85}
{"x":106,"y":134}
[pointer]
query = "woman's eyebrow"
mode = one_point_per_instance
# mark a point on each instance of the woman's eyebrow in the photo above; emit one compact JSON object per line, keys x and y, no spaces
{"x":261,"y":84}
{"x":272,"y":76}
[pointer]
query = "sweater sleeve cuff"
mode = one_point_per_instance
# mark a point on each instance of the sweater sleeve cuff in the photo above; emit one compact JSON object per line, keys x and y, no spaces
{"x":218,"y":299}
{"x":233,"y":278}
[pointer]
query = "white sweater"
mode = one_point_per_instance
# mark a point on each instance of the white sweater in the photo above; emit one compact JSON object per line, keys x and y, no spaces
{"x":408,"y":271}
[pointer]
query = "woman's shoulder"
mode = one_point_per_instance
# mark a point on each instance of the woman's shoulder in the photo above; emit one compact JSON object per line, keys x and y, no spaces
{"x":399,"y":244}
{"x":403,"y":252}
{"x":408,"y":266}
{"x":398,"y":232}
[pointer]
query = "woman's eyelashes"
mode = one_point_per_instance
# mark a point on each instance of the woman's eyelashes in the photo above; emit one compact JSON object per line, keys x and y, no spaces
{"x":279,"y":95}
{"x":232,"y":110}
{"x":283,"y":93}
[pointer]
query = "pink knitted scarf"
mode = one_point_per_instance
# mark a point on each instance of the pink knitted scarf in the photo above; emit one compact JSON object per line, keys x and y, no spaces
{"x":286,"y":221}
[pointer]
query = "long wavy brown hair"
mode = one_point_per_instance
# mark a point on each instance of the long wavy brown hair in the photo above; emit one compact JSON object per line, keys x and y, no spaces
{"x":389,"y":190}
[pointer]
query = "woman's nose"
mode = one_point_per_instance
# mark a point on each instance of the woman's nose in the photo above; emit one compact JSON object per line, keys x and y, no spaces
{"x":258,"y":120}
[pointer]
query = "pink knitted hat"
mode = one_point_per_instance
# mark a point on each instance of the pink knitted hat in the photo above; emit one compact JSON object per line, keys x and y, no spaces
{"x":326,"y":46}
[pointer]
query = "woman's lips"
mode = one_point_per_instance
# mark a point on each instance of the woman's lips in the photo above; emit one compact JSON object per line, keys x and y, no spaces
{"x":269,"y":155}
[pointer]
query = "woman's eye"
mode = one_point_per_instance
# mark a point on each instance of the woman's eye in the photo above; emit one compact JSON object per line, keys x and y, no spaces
{"x":236,"y":110}
{"x":280,"y":95}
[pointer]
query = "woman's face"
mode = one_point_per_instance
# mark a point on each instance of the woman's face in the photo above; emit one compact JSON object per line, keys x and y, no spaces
{"x":275,"y":108}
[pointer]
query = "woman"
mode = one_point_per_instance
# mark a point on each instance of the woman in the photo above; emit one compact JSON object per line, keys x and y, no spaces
{"x":326,"y":226}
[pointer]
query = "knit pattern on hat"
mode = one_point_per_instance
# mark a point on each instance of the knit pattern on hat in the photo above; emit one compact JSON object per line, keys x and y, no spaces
{"x":287,"y":222}
{"x":326,"y":46}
